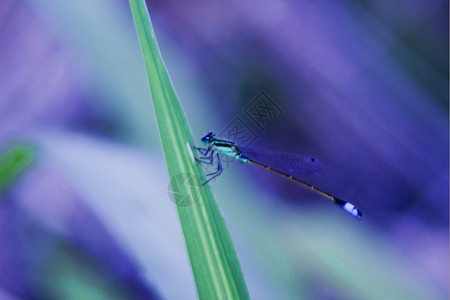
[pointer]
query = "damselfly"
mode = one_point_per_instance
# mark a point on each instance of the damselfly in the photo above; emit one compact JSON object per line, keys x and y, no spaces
{"x":285,"y":164}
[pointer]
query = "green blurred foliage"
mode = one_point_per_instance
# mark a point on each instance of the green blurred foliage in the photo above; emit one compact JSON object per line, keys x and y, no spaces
{"x":12,"y":163}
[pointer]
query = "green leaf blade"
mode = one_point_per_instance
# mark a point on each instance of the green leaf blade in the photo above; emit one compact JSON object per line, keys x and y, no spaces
{"x":214,"y":262}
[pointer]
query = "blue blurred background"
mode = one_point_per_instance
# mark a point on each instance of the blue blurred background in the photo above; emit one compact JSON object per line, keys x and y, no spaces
{"x":362,"y":86}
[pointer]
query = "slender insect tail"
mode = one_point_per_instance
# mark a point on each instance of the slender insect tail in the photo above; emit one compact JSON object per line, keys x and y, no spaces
{"x":346,"y":206}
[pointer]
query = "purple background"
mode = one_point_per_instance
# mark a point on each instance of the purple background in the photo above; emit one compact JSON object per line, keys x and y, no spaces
{"x":363,"y":86}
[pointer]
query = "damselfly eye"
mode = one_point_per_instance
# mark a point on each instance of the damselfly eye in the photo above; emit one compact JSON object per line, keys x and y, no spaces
{"x":207,"y":138}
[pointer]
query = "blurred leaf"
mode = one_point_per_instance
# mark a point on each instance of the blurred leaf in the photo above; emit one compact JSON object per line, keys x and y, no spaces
{"x":12,"y":163}
{"x":361,"y":263}
{"x":71,"y":275}
{"x":83,"y":29}
{"x":118,"y":185}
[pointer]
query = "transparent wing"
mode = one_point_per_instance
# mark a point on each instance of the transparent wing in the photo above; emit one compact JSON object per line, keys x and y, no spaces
{"x":293,"y":164}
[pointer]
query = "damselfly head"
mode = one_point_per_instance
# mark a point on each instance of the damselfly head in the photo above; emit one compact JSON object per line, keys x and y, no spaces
{"x":208,"y":138}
